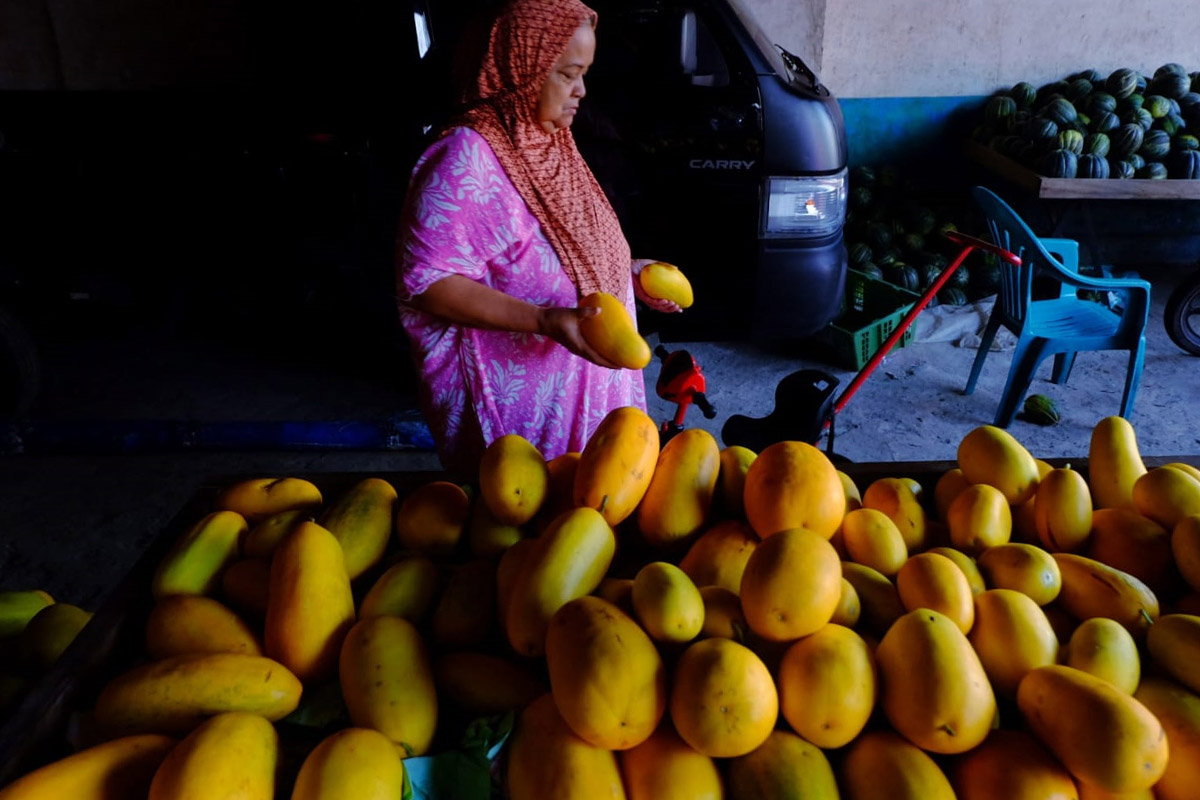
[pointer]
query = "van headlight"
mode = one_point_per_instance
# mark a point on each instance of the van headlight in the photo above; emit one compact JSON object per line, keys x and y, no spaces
{"x":799,"y":207}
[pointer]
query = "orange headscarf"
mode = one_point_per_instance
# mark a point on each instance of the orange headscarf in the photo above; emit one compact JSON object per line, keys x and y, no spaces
{"x":546,"y":168}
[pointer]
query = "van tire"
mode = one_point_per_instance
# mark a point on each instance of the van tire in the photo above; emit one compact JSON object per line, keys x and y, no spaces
{"x":20,"y":368}
{"x":1182,"y":315}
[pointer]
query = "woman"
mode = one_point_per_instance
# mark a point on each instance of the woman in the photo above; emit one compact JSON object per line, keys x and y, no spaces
{"x":503,"y":230}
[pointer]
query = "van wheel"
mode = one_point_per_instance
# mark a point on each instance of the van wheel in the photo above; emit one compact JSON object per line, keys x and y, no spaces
{"x":1182,"y":315}
{"x":20,"y":371}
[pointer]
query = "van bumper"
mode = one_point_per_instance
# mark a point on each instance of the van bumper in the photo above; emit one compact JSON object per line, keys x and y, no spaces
{"x":799,"y":287}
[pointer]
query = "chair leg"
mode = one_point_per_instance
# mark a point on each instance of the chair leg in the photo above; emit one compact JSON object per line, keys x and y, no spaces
{"x":1063,"y":362}
{"x":1026,"y":358}
{"x":1134,"y":374}
{"x":985,"y":344}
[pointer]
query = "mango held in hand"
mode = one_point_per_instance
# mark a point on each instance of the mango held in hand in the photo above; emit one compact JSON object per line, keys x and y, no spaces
{"x":664,"y":281}
{"x":612,"y":334}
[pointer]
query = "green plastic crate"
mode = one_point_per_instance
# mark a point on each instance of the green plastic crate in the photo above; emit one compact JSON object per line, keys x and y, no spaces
{"x":872,"y":310}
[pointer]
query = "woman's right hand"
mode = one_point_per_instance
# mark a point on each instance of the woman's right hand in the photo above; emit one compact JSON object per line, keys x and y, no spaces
{"x":562,"y":325}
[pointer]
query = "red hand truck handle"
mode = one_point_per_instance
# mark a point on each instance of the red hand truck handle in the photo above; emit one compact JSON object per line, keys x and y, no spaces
{"x":968,"y":243}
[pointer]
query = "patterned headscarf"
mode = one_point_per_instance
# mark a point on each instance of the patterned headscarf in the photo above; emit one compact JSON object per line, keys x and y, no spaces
{"x":526,"y":40}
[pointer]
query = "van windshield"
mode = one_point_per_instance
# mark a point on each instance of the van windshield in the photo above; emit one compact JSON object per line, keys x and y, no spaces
{"x":765,"y":45}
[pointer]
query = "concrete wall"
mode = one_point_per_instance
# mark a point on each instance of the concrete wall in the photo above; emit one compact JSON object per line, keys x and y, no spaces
{"x":918,"y":48}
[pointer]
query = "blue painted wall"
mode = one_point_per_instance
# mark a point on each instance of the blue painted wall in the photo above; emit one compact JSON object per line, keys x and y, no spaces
{"x":898,"y":130}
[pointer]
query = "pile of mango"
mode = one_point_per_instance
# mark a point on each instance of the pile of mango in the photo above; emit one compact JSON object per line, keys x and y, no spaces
{"x":682,"y":621}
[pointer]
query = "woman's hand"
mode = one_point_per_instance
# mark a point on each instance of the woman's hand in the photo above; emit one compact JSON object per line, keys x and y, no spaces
{"x":665,"y":306}
{"x":562,"y":325}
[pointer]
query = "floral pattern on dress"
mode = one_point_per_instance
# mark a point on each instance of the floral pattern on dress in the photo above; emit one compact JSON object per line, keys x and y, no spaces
{"x":464,"y":217}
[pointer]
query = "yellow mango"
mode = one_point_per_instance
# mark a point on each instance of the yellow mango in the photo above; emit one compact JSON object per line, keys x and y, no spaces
{"x":849,"y":607}
{"x":1174,"y":645}
{"x":719,"y":556}
{"x":1166,"y":495}
{"x":1091,"y":589}
{"x":968,"y":565}
{"x":935,"y":690}
{"x":1185,"y":547}
{"x":567,"y":561}
{"x":878,"y":597}
{"x":881,"y":765}
{"x":618,"y":591}
{"x":1100,"y":646}
{"x":667,"y":604}
{"x":870,"y":537}
{"x":488,"y":537}
{"x":49,"y":634}
{"x":387,"y":682}
{"x":1011,"y":636}
{"x":607,"y":678}
{"x":679,"y":498}
{"x":896,"y":498}
{"x":612,"y":333}
{"x":993,"y":456}
{"x":174,"y":695}
{"x":723,"y":700}
{"x":1114,"y":463}
{"x":115,"y":770}
{"x":351,"y":764}
{"x":19,"y":606}
{"x":560,"y":491}
{"x":1100,"y":734}
{"x":731,"y":479}
{"x":783,"y":766}
{"x":1179,"y":712}
{"x":508,"y":572}
{"x":513,"y":479}
{"x":480,"y":684}
{"x":255,"y":498}
{"x":1011,"y":765}
{"x":930,"y":580}
{"x":1062,"y":510}
{"x":617,"y":464}
{"x":1024,"y":568}
{"x":1130,"y":542}
{"x":779,"y":607}
{"x":466,"y":611}
{"x":432,"y":518}
{"x":827,"y":686}
{"x":195,"y":561}
{"x":361,"y":521}
{"x":266,"y":534}
{"x":182,"y":624}
{"x":723,"y":615}
{"x":546,"y":760}
{"x":231,"y":755}
{"x":665,"y":281}
{"x":310,"y":606}
{"x":664,"y":767}
{"x":948,"y":486}
{"x":979,"y":518}
{"x":794,"y":485}
{"x":406,"y":589}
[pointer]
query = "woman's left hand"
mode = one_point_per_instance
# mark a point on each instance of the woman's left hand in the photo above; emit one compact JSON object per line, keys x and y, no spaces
{"x":665,"y":306}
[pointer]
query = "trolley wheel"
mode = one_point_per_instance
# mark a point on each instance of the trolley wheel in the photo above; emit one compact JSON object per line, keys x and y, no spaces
{"x":20,"y":371}
{"x":1182,"y":315}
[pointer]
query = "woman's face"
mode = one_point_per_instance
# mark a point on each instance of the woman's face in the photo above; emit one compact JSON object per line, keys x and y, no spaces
{"x":563,"y":88}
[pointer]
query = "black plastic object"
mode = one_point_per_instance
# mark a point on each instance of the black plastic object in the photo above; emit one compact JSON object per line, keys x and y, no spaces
{"x":803,"y":403}
{"x":1182,"y":315}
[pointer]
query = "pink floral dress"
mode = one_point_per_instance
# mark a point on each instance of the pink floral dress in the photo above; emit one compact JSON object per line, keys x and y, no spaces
{"x":464,"y":217}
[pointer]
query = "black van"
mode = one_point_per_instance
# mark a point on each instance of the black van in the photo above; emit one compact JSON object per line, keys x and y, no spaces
{"x":722,"y":154}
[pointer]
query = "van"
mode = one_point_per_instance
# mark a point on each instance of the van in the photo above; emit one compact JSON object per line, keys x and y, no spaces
{"x":721,"y":152}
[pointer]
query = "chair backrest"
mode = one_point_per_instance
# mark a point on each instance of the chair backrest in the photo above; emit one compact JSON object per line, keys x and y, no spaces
{"x":1010,"y":232}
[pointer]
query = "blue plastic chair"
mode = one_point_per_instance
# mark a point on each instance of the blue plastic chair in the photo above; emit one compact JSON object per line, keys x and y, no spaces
{"x":1060,"y":326}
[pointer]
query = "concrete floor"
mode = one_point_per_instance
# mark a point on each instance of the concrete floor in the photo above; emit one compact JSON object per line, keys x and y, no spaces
{"x":73,"y":524}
